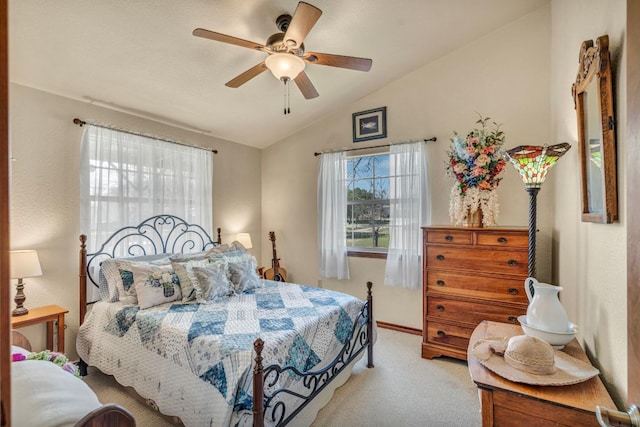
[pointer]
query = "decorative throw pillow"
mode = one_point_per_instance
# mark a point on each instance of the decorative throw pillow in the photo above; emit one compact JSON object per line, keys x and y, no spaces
{"x":117,"y":273}
{"x":155,"y":285}
{"x":183,"y":266}
{"x":243,"y":274}
{"x":214,"y":282}
{"x":229,"y":251}
{"x":119,"y":280}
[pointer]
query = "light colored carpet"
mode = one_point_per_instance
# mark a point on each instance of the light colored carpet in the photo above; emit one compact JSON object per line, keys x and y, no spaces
{"x":402,"y":390}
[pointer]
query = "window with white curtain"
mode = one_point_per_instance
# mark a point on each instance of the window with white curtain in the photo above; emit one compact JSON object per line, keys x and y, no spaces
{"x":126,"y":178}
{"x":381,"y":201}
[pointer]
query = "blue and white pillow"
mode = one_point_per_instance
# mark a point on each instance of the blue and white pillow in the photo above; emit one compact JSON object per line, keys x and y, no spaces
{"x":242,"y":274}
{"x":155,"y":285}
{"x":115,"y":275}
{"x":214,"y":282}
{"x":183,"y":266}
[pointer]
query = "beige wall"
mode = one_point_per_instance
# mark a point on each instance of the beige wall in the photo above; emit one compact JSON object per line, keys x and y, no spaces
{"x":45,"y":192}
{"x":590,"y":259}
{"x":504,"y":75}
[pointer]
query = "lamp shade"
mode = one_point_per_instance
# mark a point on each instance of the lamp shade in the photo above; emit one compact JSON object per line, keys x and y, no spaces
{"x":245,"y":239}
{"x":24,"y":264}
{"x":534,"y":162}
{"x":284,"y":65}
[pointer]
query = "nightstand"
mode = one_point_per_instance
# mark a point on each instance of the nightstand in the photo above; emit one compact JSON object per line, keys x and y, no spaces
{"x":50,"y":314}
{"x":505,"y":403}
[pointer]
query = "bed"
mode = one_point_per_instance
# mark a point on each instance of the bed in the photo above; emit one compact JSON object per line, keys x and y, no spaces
{"x":61,"y":398}
{"x":262,"y":353}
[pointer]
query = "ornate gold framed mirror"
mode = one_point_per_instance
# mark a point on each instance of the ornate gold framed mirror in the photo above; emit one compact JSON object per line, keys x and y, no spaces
{"x":593,"y":98}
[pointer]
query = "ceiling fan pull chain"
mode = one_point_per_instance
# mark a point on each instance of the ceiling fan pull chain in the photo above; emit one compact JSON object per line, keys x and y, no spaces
{"x":284,"y":99}
{"x":288,"y":96}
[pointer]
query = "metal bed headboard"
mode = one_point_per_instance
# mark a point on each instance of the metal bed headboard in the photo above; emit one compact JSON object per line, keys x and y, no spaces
{"x":159,"y":234}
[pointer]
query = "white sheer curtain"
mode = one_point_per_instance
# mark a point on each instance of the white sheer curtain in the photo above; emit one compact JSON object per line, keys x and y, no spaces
{"x":332,"y":216}
{"x":126,"y":178}
{"x":409,"y":210}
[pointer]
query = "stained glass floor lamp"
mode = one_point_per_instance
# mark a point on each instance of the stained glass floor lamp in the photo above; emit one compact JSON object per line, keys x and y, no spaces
{"x":533,"y":163}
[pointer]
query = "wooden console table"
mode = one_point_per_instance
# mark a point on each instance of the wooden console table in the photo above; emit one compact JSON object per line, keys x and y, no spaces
{"x":48,"y":314}
{"x":506,"y":403}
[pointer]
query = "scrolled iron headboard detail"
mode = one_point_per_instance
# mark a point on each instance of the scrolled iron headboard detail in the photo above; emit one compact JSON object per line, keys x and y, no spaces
{"x":158,"y":234}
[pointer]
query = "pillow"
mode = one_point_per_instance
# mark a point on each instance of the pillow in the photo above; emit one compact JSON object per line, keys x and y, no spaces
{"x":103,"y":287}
{"x":155,"y":285}
{"x":234,"y":249}
{"x":60,"y":399}
{"x":183,"y":266}
{"x":214,"y":282}
{"x":119,"y":280}
{"x":243,"y":274}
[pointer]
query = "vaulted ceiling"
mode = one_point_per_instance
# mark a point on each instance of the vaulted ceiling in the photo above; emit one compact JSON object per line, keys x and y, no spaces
{"x":140,"y":57}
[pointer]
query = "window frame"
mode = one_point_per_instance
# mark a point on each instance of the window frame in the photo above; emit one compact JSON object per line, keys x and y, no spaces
{"x":363,"y":251}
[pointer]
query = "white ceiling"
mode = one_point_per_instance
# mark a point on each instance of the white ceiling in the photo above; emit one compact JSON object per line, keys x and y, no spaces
{"x":139,"y":56}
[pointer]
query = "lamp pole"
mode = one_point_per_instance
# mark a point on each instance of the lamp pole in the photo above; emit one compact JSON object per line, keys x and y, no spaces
{"x":533,"y":193}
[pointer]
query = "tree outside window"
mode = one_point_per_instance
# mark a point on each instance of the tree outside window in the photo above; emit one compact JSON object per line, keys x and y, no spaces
{"x":367,"y":226}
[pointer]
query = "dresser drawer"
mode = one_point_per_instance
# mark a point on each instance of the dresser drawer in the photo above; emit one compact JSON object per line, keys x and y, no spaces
{"x":481,"y":260}
{"x":505,"y":240}
{"x":471,"y":312}
{"x":474,"y":286}
{"x":452,"y":237}
{"x":451,"y":335}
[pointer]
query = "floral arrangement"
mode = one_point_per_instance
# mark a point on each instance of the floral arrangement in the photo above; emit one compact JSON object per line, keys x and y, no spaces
{"x":50,"y":356}
{"x":476,"y":163}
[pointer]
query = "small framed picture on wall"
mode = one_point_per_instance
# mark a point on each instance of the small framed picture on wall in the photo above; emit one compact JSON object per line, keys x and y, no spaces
{"x":370,"y":124}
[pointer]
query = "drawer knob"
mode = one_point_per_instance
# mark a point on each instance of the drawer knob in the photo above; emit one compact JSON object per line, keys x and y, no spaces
{"x":502,"y":240}
{"x":440,"y":257}
{"x":448,"y":238}
{"x":440,"y":283}
{"x":512,"y":319}
{"x":512,"y":262}
{"x":441,"y":333}
{"x":440,"y":307}
{"x":513,"y":291}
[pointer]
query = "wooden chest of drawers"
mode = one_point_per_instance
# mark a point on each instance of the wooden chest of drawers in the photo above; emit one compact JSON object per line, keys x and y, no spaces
{"x":470,"y":275}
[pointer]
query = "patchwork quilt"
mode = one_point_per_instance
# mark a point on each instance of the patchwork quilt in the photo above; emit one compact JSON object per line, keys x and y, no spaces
{"x":195,"y":360}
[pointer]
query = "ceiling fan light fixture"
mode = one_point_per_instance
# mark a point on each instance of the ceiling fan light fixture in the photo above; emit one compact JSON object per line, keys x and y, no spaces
{"x":284,"y":65}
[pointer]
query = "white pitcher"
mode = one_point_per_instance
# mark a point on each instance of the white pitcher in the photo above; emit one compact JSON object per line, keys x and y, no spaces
{"x":545,"y":311}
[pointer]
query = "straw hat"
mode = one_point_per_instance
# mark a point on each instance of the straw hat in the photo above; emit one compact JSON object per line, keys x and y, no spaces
{"x":530,"y":360}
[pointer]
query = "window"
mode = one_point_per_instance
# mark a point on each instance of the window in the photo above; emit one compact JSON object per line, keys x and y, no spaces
{"x":126,"y":178}
{"x":367,"y":225}
{"x":373,"y":206}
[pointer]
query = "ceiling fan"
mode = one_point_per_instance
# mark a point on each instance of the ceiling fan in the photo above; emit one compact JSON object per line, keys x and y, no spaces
{"x":287,"y":56}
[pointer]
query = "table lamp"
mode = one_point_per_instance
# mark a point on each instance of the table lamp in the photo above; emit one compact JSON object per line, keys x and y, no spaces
{"x":245,"y":239}
{"x":533,"y":163}
{"x":23,"y":264}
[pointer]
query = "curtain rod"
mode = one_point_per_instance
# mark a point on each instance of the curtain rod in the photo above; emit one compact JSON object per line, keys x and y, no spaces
{"x":81,"y":123}
{"x":433,"y":139}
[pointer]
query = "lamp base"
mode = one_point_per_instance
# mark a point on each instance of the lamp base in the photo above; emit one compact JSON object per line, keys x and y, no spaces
{"x":19,"y":311}
{"x":19,"y":300}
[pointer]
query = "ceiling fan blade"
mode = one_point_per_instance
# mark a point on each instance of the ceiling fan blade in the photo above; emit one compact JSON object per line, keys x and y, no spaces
{"x":350,"y":62}
{"x":304,"y":18}
{"x":247,"y":75}
{"x":305,"y":86}
{"x":219,"y":37}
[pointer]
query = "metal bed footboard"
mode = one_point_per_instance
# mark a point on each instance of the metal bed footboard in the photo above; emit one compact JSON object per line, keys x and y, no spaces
{"x":265,"y":400}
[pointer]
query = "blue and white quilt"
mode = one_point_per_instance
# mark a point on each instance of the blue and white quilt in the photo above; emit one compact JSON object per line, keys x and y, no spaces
{"x":195,"y":360}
